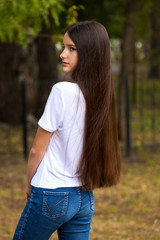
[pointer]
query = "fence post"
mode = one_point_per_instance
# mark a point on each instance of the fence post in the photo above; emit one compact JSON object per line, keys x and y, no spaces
{"x":24,"y":118}
{"x":128,"y":142}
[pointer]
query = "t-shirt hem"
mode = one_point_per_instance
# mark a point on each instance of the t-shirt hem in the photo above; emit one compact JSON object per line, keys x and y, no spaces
{"x":55,"y":187}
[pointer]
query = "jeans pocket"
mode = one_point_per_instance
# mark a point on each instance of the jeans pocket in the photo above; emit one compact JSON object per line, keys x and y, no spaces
{"x":92,"y":201}
{"x":55,"y":204}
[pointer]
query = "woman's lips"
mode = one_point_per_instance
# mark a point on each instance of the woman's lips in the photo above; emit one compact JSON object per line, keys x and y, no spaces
{"x":64,"y":64}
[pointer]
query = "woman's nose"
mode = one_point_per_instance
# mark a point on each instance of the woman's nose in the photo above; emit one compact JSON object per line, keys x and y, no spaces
{"x":63,"y":54}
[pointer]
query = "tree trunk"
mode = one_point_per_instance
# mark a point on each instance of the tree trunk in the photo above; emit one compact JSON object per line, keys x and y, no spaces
{"x":154,"y":71}
{"x":10,"y":94}
{"x":16,"y":65}
{"x":134,"y":78}
{"x":127,"y":47}
{"x":47,"y":62}
{"x":36,"y":64}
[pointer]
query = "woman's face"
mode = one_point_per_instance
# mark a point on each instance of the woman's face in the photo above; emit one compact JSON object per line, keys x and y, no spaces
{"x":69,"y":54}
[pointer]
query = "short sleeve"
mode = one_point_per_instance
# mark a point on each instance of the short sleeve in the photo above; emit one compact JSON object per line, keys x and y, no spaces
{"x":52,"y":117}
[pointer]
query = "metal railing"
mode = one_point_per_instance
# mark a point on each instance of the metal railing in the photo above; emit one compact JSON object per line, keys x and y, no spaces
{"x":142,"y":116}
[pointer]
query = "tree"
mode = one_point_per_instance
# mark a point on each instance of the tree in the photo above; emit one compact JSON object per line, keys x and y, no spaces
{"x":110,"y":13}
{"x":47,"y":64}
{"x":21,"y":22}
{"x":154,"y":70}
{"x":128,"y":43}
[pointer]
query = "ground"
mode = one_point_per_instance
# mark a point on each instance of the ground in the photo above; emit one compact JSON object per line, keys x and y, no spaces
{"x":129,"y":211}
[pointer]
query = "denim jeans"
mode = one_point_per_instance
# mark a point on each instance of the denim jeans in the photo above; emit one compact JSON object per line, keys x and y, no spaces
{"x":68,"y":210}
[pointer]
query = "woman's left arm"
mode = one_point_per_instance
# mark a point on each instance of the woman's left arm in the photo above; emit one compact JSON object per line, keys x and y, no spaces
{"x":36,"y":154}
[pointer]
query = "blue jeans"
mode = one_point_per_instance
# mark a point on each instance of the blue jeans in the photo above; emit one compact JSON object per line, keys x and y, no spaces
{"x":68,"y":210}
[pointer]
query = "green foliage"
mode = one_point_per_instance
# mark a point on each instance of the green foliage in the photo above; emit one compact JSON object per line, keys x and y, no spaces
{"x":22,"y":19}
{"x":143,"y":18}
{"x":72,"y":13}
{"x":142,"y":23}
{"x":115,"y":12}
{"x":67,"y":17}
{"x":110,"y":13}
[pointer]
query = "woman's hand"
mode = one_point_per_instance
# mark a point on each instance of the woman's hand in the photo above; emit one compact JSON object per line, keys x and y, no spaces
{"x":28,"y":192}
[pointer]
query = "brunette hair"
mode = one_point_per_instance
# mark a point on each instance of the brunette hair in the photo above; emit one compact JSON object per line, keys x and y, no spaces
{"x":101,"y":162}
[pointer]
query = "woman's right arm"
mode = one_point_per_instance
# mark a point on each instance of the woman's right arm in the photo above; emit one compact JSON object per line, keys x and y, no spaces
{"x":36,"y":154}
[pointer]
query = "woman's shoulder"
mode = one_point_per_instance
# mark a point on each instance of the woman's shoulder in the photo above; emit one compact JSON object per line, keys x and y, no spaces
{"x":66,"y":87}
{"x":68,"y":92}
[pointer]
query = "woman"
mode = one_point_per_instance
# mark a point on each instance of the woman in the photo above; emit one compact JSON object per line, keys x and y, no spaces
{"x":76,"y":146}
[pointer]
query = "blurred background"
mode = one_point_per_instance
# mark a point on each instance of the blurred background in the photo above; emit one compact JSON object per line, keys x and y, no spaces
{"x":31,"y":35}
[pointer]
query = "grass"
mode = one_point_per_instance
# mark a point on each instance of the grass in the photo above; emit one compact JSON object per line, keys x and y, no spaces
{"x":129,"y":211}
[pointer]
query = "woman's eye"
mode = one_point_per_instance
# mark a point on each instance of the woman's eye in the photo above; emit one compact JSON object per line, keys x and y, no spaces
{"x":69,"y":48}
{"x":72,"y":49}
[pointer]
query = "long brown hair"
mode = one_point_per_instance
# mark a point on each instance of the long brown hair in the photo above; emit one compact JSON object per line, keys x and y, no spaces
{"x":100,"y":164}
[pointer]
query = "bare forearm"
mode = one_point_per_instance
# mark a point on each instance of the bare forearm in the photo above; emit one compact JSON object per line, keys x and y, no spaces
{"x":33,"y":162}
{"x":37,"y":152}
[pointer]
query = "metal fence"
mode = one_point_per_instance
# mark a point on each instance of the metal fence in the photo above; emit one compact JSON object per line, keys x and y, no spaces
{"x":142,"y":119}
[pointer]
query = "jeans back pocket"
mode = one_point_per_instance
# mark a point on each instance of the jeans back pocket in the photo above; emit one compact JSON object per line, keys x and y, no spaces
{"x":55,"y":204}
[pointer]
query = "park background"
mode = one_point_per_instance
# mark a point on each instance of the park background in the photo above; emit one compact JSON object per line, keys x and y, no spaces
{"x":31,"y":33}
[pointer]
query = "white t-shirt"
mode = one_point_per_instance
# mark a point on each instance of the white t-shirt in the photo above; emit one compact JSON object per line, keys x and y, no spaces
{"x":64,"y":115}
